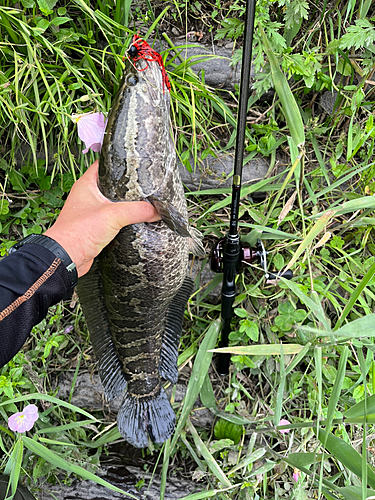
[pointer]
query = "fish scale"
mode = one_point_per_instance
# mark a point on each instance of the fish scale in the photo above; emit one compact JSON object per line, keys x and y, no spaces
{"x":135,"y":294}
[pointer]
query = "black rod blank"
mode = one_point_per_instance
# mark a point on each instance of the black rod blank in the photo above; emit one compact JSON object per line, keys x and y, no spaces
{"x":232,"y":246}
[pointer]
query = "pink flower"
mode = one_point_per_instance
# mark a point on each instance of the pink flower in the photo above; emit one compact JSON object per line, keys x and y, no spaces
{"x":283,"y":421}
{"x":296,"y":475}
{"x":23,"y":420}
{"x":91,"y":128}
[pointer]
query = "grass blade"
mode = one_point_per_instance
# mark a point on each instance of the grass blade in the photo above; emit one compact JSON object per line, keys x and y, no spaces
{"x":358,"y":412}
{"x":50,"y":399}
{"x":288,"y":103}
{"x":317,"y":228}
{"x":261,"y":350}
{"x":209,"y":459}
{"x":205,"y":494}
{"x":361,"y":327}
{"x":60,"y":462}
{"x":280,"y":389}
{"x":198,"y":374}
{"x":354,"y":296}
{"x":335,"y":395}
{"x":346,"y":454}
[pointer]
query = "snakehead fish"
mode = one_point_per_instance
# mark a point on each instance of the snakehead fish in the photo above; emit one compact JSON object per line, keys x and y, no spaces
{"x":134,"y":296}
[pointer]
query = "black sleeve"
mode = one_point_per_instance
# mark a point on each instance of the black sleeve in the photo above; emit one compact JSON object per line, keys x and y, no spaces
{"x":31,"y":280}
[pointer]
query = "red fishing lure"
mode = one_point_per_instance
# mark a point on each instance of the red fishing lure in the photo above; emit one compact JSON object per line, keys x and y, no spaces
{"x":139,"y":49}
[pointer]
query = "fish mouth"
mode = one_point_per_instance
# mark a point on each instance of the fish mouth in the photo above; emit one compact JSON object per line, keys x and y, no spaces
{"x":149,"y":74}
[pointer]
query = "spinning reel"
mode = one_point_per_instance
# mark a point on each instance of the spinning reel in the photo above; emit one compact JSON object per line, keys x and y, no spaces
{"x":247,"y":255}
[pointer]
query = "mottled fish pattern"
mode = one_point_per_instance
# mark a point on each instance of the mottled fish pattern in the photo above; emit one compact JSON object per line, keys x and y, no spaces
{"x":134,"y":296}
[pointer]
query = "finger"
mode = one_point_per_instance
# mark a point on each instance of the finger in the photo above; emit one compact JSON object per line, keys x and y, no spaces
{"x":133,"y":212}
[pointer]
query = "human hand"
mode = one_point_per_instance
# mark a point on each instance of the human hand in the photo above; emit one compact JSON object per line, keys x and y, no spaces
{"x":89,"y":221}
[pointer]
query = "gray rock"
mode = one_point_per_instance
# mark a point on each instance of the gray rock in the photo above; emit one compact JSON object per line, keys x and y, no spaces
{"x":327,"y":101}
{"x":214,"y":61}
{"x":217,"y":172}
{"x":203,"y":278}
{"x":125,"y":478}
{"x":89,"y":394}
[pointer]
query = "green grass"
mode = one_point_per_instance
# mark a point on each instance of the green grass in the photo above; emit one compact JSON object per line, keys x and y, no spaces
{"x":302,"y":350}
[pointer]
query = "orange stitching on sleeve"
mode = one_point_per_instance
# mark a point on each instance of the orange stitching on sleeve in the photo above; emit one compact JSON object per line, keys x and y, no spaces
{"x":30,"y":292}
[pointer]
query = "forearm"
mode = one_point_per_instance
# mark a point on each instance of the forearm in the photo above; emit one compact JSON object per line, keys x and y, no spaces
{"x":31,"y":280}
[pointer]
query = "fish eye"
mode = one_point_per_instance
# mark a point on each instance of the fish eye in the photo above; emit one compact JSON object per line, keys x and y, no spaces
{"x":132,"y":80}
{"x":133,"y":51}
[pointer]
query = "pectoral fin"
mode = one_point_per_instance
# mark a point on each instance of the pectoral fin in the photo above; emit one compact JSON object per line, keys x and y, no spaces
{"x":171,"y":216}
{"x":195,"y":243}
{"x":177,"y":223}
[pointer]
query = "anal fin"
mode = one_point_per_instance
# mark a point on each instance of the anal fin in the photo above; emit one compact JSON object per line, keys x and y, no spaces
{"x":91,"y":298}
{"x":173,"y":326}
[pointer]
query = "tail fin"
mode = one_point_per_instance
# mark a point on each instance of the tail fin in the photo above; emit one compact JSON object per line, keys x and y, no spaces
{"x":138,"y":419}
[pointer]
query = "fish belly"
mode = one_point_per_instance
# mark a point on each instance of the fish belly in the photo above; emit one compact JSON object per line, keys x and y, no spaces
{"x":134,"y":300}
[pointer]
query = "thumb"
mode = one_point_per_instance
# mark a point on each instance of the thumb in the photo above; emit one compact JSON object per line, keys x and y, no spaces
{"x":124,"y":213}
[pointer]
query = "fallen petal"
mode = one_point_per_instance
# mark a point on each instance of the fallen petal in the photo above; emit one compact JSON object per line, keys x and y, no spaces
{"x":91,"y":128}
{"x":283,"y":421}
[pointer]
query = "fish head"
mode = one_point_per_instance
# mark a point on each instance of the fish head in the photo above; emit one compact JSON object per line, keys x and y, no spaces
{"x":138,"y":151}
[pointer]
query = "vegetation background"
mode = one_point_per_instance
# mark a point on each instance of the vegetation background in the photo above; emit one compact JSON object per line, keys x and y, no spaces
{"x":302,"y":350}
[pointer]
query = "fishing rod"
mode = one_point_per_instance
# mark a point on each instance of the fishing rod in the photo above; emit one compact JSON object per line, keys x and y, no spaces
{"x":229,"y":253}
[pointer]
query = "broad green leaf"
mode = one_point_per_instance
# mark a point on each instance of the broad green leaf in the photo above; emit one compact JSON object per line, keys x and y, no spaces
{"x":60,"y":462}
{"x":361,"y":327}
{"x":224,"y":429}
{"x":46,"y":6}
{"x":58,"y":21}
{"x":346,"y":454}
{"x":355,"y":493}
{"x":314,"y":305}
{"x":261,"y":350}
{"x":358,"y":410}
{"x":305,"y":459}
